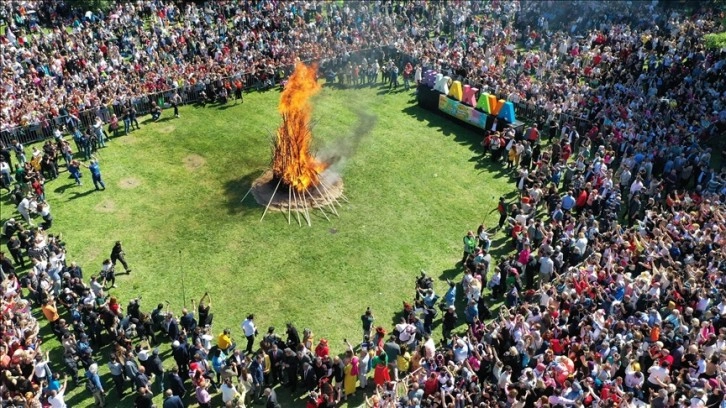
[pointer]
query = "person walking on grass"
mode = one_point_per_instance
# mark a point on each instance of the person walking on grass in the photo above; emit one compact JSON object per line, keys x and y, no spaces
{"x":118,"y":254}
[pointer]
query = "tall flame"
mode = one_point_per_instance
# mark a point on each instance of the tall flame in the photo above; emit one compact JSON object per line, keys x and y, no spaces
{"x":292,"y":161}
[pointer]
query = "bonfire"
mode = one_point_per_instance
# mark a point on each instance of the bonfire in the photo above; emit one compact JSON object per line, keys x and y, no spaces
{"x":309,"y":181}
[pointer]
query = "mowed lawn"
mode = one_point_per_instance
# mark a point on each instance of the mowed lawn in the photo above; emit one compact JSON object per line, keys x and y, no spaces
{"x":174,"y":193}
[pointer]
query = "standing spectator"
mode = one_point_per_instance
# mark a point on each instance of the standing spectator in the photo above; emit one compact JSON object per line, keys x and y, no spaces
{"x":57,"y":397}
{"x":93,"y":384}
{"x":176,"y":383}
{"x":95,"y":169}
{"x":171,"y":400}
{"x":449,"y":323}
{"x":203,"y":397}
{"x":257,"y":370}
{"x":469,"y":246}
{"x":367,"y":320}
{"x":114,"y":126}
{"x":176,"y":100}
{"x":117,"y":374}
{"x":144,"y":398}
{"x":98,"y":132}
{"x":250,"y":331}
{"x":271,"y":398}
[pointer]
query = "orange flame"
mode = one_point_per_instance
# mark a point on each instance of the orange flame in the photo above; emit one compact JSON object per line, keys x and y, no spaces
{"x":292,"y":161}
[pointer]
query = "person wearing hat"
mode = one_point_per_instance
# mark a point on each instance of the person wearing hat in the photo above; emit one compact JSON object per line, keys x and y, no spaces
{"x":93,"y":384}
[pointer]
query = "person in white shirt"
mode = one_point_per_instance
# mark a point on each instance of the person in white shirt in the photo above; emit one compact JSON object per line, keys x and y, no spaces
{"x":41,"y":369}
{"x":56,"y":399}
{"x":228,"y":391}
{"x":636,"y":186}
{"x":24,"y":210}
{"x":658,"y":376}
{"x":250,"y":331}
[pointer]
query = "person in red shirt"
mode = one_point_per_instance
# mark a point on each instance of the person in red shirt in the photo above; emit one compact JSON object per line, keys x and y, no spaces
{"x":322,"y":349}
{"x":431,"y":385}
{"x":566,"y":152}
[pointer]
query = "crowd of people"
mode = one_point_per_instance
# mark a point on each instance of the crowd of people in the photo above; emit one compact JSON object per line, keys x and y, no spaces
{"x":613,"y":278}
{"x":60,"y":60}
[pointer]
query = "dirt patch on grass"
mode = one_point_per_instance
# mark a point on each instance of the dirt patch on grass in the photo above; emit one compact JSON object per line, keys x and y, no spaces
{"x":106,"y":206}
{"x":129,"y":183}
{"x":166,"y":129}
{"x":194,"y":161}
{"x":126,"y":140}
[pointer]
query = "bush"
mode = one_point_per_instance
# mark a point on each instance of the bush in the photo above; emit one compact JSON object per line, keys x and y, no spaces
{"x":716,"y":40}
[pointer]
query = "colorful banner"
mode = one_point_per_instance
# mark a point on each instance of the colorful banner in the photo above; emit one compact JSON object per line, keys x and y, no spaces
{"x":462,"y":111}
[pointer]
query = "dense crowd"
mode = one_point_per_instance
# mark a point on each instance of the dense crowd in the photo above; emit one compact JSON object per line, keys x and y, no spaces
{"x":614,"y":291}
{"x":59,"y":60}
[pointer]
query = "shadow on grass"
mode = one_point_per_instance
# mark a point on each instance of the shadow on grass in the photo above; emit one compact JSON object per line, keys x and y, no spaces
{"x":76,"y":195}
{"x":237,"y":200}
{"x":62,"y":189}
{"x":462,"y":135}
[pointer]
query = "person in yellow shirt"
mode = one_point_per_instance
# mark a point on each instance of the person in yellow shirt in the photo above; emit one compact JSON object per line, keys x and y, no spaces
{"x":225,"y":342}
{"x":404,"y":360}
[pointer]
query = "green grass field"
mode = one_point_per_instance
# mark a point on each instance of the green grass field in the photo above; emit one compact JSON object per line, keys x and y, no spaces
{"x":174,"y":193}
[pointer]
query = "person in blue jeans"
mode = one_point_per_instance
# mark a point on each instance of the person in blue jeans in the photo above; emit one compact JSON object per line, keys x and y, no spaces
{"x":96,"y":175}
{"x":74,"y":168}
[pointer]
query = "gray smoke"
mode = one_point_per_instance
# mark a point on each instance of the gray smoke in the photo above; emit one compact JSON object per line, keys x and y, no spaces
{"x":337,"y":151}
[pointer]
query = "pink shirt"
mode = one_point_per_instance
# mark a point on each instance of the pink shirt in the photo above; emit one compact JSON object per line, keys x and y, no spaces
{"x":203,"y":396}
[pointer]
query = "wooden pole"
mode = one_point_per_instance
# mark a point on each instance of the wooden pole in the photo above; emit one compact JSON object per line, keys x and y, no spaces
{"x":322,"y":184}
{"x":305,"y":207}
{"x":320,"y":208}
{"x":248,"y":193}
{"x":271,"y":198}
{"x":297,"y":212}
{"x":289,"y":203}
{"x":329,"y":202}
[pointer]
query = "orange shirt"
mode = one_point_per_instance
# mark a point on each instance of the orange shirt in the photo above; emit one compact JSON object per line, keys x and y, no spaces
{"x":50,"y":312}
